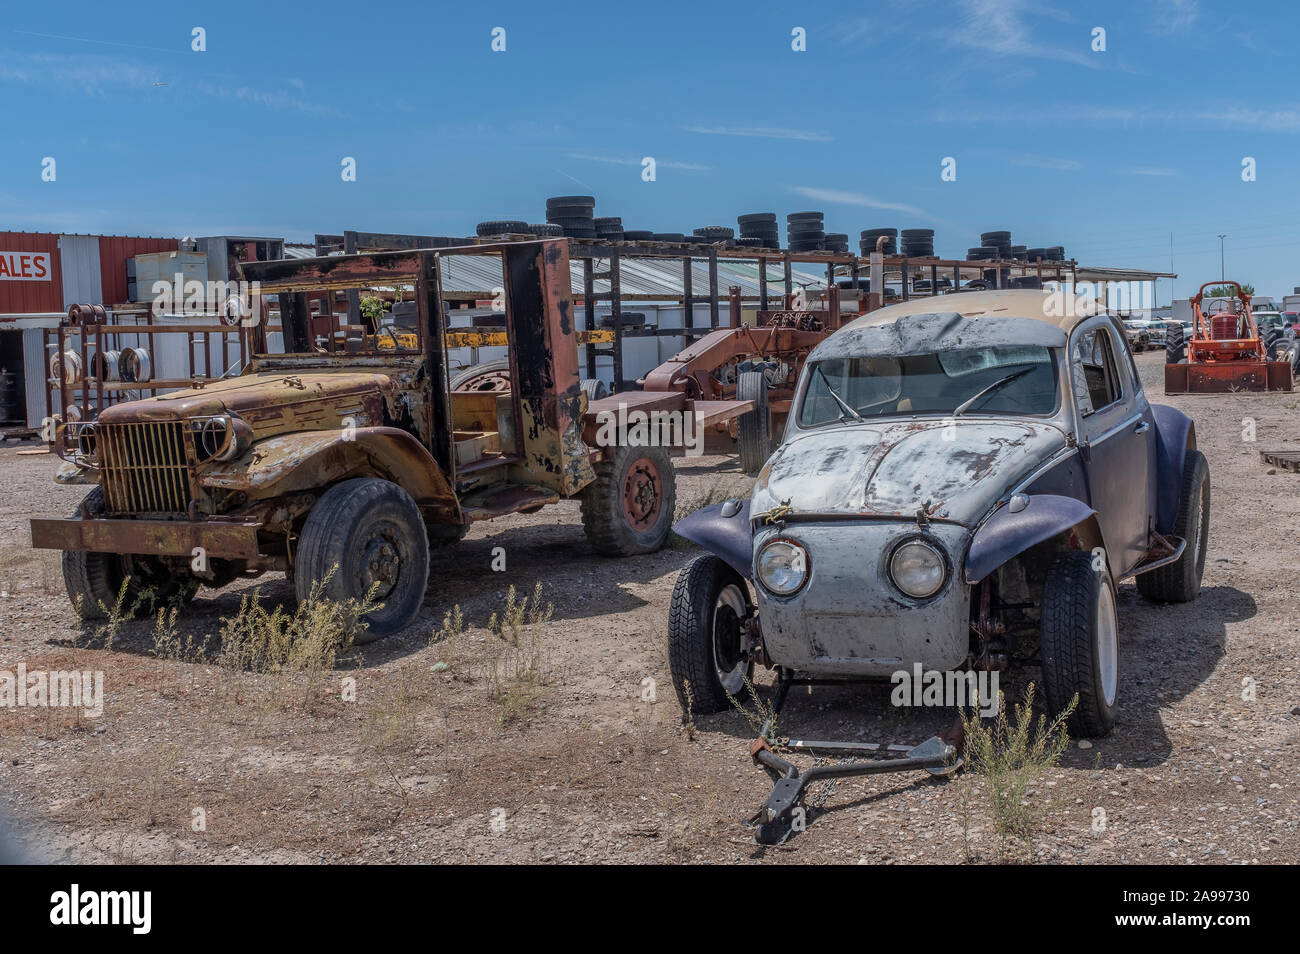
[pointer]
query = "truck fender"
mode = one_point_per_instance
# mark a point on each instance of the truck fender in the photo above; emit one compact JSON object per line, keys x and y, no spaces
{"x":309,"y":460}
{"x":1007,"y":534}
{"x":727,"y":537}
{"x":1175,"y":436}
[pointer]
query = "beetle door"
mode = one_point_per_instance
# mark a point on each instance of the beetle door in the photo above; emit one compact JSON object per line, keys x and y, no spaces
{"x":1116,"y":438}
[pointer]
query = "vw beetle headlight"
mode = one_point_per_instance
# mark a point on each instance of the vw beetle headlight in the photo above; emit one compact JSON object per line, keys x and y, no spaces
{"x":782,"y":566}
{"x":917,"y":568}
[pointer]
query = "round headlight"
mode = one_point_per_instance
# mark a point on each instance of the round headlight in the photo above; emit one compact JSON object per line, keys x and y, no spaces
{"x":215,"y":438}
{"x":782,"y":566}
{"x":917,"y":569}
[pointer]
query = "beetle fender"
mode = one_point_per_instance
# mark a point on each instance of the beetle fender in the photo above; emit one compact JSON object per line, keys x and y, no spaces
{"x":1175,"y":435}
{"x":727,"y":537}
{"x":1005,"y":534}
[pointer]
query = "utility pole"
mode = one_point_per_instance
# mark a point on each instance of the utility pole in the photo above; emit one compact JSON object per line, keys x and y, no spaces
{"x":1222,"y":274}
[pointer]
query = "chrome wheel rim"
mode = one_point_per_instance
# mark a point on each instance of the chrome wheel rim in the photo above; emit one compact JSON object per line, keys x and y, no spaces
{"x":728,"y":657}
{"x":1107,"y":644}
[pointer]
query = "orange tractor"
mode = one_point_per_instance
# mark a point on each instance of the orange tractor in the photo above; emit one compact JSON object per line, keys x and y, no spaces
{"x":1225,"y":352}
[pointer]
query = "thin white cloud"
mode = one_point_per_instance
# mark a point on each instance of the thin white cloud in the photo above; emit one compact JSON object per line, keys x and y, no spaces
{"x":857,"y":198}
{"x":625,"y":161}
{"x":997,"y":27}
{"x":762,"y":132}
{"x":1260,"y":120}
{"x":96,"y":74}
{"x":1175,"y":16}
{"x":1149,"y":171}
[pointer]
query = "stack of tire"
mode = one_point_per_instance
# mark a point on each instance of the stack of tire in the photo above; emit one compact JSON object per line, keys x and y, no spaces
{"x":714,"y":235}
{"x":869,"y":237}
{"x":637,"y":235}
{"x":501,"y":227}
{"x":837,"y":242}
{"x":806,"y":231}
{"x":574,"y":214}
{"x":677,"y":237}
{"x":918,"y":243}
{"x":1020,"y":253}
{"x":609,"y":228}
{"x":759,"y":230}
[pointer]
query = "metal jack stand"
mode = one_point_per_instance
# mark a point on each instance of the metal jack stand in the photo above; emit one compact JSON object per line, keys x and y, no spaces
{"x":775,"y":821}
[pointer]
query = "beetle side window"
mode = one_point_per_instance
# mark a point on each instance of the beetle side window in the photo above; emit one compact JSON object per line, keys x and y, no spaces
{"x":1093,"y":369}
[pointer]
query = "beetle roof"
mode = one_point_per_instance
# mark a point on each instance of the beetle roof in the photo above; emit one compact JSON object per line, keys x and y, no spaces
{"x":1021,"y":303}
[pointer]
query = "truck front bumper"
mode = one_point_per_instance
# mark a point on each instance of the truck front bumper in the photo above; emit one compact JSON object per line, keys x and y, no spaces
{"x":223,"y":539}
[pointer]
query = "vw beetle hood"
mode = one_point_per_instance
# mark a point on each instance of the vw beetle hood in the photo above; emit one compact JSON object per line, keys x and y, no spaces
{"x":954,"y":470}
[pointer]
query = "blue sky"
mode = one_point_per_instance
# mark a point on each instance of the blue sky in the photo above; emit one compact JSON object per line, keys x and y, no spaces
{"x":1106,"y":153}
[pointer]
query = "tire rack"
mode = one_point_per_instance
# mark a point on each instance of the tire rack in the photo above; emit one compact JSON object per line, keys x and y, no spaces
{"x":590,"y":252}
{"x":95,"y":339}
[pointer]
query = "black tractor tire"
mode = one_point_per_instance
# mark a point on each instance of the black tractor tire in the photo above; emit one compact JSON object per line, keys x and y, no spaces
{"x":1080,"y":652}
{"x":94,"y":580}
{"x":1175,"y":350}
{"x":1271,"y":337}
{"x":360,"y":531}
{"x":753,"y":428}
{"x":705,"y":659}
{"x":628,"y":509}
{"x":1180,"y":581}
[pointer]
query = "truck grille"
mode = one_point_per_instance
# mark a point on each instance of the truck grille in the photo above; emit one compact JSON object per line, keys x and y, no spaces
{"x":144,"y":467}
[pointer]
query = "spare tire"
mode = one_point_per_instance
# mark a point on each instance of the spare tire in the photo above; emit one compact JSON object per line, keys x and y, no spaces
{"x":753,"y":427}
{"x":487,"y":376}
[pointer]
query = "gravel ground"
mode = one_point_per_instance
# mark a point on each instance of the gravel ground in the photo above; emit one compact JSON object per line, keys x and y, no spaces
{"x":192,"y":762}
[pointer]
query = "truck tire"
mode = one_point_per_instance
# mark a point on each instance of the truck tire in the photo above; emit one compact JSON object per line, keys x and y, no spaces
{"x":1180,"y":581}
{"x":1080,"y":643}
{"x":628,"y":509}
{"x":486,"y":376}
{"x":1174,"y":349}
{"x":704,"y":636}
{"x":94,"y":580}
{"x":361,"y":532}
{"x":1271,"y":338}
{"x":753,"y":427}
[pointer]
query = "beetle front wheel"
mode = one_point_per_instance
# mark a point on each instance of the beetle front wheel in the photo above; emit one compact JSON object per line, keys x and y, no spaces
{"x":1080,"y":642}
{"x":707,"y":657}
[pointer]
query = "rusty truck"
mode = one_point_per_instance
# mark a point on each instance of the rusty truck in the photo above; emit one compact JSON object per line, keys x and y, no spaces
{"x":347,"y":456}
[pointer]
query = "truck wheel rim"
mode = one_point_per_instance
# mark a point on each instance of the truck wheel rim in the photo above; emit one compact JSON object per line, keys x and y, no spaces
{"x":641,"y":497}
{"x":728,"y":657}
{"x":1107,"y":644}
{"x":381,"y":563}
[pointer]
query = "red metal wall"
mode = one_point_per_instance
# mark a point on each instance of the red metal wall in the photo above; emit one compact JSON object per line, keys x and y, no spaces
{"x":114,"y":250}
{"x":31,"y":297}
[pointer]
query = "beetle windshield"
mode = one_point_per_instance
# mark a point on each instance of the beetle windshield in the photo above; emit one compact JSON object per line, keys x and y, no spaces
{"x":994,"y":380}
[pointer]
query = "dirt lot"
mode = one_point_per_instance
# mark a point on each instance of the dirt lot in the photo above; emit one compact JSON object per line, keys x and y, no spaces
{"x":429,"y":765}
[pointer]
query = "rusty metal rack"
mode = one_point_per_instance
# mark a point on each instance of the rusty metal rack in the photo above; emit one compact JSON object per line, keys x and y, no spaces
{"x":96,"y":331}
